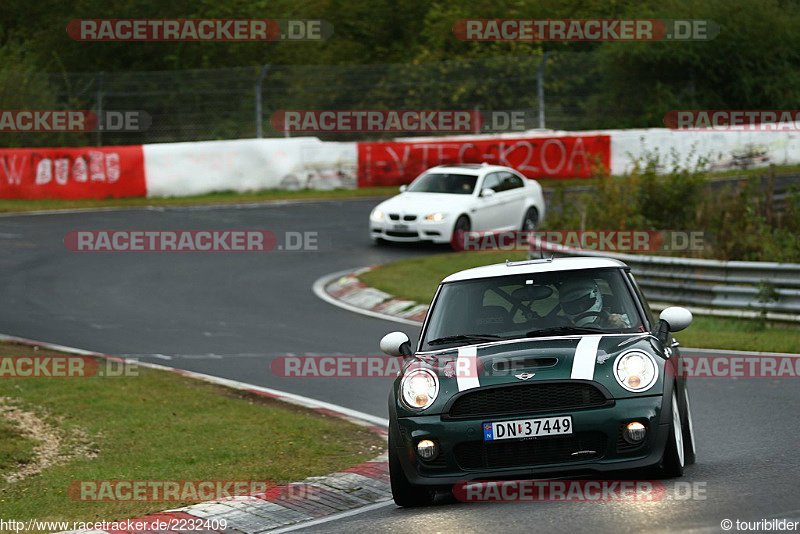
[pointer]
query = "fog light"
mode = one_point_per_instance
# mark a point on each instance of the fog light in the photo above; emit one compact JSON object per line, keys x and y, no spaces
{"x":426,"y":449}
{"x":635,"y":432}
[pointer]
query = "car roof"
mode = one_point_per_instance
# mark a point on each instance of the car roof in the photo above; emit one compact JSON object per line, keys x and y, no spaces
{"x":535,"y":266}
{"x":475,"y":169}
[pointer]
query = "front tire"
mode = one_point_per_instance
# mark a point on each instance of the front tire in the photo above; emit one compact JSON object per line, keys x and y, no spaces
{"x":404,"y":492}
{"x":530,"y":220}
{"x":674,"y":459}
{"x":462,"y":224}
{"x":688,"y":429}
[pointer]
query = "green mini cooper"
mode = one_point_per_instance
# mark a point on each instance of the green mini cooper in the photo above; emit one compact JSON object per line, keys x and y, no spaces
{"x":534,"y":369}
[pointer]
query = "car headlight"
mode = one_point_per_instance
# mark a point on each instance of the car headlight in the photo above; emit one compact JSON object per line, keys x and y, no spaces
{"x":436,"y":217}
{"x":636,"y":371}
{"x":419,"y":389}
{"x":376,"y":215}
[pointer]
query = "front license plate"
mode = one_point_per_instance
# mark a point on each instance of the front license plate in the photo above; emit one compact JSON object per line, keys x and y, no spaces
{"x":401,"y":227}
{"x":528,"y":428}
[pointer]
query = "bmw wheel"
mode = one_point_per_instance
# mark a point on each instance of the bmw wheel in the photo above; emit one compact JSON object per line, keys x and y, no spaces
{"x":530,"y":220}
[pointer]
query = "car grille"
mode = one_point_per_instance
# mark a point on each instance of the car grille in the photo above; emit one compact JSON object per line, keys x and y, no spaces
{"x":397,"y":233}
{"x":527,"y":398}
{"x":510,"y":453}
{"x":396,"y":217}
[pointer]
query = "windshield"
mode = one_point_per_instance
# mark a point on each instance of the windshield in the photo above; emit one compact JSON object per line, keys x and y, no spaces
{"x":454,"y":184}
{"x":533,"y":305}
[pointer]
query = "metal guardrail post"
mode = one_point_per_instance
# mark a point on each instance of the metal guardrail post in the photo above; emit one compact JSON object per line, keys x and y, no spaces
{"x":264,"y":70}
{"x":540,"y":87}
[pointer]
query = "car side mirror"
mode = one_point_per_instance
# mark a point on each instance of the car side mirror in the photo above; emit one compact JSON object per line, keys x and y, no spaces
{"x":396,"y":344}
{"x":403,"y":188}
{"x":672,"y":319}
{"x":487,"y":193}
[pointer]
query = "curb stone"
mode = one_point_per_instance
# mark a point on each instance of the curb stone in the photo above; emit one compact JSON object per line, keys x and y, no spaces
{"x":350,"y":290}
{"x":281,"y":506}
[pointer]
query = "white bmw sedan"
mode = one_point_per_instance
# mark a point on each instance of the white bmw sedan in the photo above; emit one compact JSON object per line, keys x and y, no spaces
{"x":447,"y":199}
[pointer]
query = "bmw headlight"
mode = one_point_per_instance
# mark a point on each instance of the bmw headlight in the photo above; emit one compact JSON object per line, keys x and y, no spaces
{"x":376,"y":215}
{"x":419,"y":388}
{"x":435,"y":217}
{"x":636,"y":371}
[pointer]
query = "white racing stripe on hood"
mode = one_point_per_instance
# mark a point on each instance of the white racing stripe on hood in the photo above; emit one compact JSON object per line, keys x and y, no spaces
{"x":467,"y":368}
{"x":585,"y":357}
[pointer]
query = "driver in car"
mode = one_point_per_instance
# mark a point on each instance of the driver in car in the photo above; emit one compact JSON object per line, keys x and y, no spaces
{"x":582,"y":303}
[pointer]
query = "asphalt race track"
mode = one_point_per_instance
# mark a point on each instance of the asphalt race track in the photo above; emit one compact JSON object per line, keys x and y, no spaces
{"x":230,"y":314}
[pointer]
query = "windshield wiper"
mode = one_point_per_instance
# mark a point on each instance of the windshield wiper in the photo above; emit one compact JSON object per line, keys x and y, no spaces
{"x":464,"y":337}
{"x":557,"y":330}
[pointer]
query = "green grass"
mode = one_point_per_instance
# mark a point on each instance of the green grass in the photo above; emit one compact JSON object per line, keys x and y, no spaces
{"x":163,"y":426}
{"x":417,"y":278}
{"x":21,"y":205}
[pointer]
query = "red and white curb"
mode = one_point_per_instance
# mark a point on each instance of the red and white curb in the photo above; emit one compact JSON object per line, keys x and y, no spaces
{"x":282,"y":508}
{"x":345,"y":290}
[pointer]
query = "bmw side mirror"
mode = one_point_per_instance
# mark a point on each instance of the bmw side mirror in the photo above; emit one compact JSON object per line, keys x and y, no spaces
{"x":396,"y":344}
{"x":672,"y":319}
{"x":403,"y":188}
{"x":487,"y":193}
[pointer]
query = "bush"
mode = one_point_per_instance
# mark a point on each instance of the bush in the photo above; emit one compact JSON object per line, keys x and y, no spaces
{"x":734,"y":218}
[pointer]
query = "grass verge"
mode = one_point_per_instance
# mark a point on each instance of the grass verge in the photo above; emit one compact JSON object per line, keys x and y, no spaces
{"x":417,"y":278}
{"x":162,"y":426}
{"x":23,"y":205}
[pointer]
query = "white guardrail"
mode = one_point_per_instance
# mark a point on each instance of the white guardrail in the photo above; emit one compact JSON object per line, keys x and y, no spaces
{"x":725,"y":288}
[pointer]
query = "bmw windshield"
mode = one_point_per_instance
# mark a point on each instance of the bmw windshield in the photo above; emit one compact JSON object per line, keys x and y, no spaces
{"x":532,"y":305}
{"x":454,"y":184}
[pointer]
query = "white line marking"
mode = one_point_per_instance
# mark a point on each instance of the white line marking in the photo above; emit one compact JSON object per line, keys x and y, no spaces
{"x":319,"y":291}
{"x":585,"y":357}
{"x":467,"y":361}
{"x":333,"y":517}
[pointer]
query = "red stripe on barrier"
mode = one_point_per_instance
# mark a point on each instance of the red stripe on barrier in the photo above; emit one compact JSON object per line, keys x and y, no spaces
{"x":72,"y":173}
{"x":394,"y":163}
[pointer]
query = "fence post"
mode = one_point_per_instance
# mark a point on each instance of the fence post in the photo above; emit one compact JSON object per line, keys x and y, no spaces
{"x":261,"y":76}
{"x":540,"y":87}
{"x":99,"y":108}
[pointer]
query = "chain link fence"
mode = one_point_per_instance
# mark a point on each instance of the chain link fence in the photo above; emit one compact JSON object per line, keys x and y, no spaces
{"x":194,"y":105}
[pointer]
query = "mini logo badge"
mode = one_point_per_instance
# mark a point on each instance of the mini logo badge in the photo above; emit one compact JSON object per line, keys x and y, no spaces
{"x":525,"y":376}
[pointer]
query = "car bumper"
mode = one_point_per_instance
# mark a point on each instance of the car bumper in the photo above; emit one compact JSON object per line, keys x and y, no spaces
{"x":438,"y":232}
{"x":454,"y":437}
